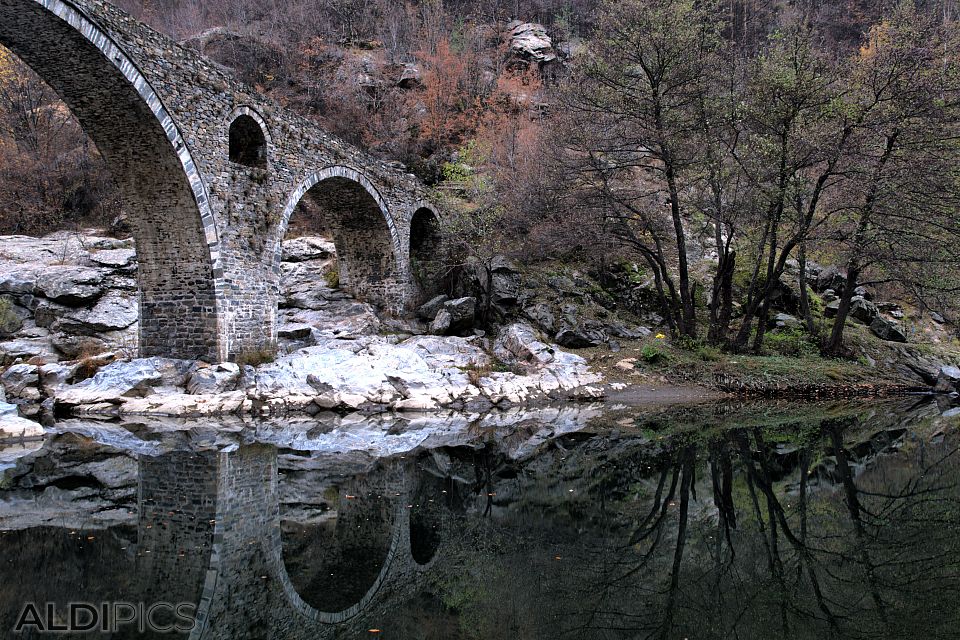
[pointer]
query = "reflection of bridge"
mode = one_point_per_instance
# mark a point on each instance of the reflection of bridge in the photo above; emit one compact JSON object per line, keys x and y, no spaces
{"x":211,"y":173}
{"x":210,"y":532}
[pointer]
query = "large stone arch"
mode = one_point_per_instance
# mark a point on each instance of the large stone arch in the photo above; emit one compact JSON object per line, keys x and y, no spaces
{"x":369,"y":250}
{"x":180,"y":277}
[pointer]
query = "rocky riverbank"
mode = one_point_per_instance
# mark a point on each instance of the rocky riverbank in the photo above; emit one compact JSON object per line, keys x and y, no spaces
{"x":71,"y":330}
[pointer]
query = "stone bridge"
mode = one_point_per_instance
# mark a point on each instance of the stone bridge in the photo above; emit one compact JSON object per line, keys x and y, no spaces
{"x":209,"y":532}
{"x":211,"y":172}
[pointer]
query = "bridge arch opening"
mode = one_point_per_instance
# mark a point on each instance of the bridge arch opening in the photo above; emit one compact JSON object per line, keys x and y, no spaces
{"x":337,"y":240}
{"x":162,"y":190}
{"x":425,"y":247}
{"x":247,"y":142}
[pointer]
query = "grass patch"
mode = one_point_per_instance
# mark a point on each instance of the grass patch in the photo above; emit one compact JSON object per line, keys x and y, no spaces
{"x":256,"y":357}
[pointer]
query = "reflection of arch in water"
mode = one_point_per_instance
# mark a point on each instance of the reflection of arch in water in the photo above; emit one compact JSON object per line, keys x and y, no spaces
{"x":225,"y":507}
{"x":425,"y":531}
{"x":398,"y":563}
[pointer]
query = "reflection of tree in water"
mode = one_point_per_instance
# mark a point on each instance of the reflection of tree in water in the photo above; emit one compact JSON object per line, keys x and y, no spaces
{"x":822,"y":554}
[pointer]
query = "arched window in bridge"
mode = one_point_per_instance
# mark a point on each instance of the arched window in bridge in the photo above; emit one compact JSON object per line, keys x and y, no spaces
{"x":248,"y":145}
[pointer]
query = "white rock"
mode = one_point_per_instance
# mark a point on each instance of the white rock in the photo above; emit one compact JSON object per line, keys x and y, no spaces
{"x":120,"y":381}
{"x":14,"y":428}
{"x":216,"y":379}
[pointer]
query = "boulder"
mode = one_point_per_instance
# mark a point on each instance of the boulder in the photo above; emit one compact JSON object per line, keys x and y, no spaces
{"x":619,"y":330}
{"x":430,"y":309}
{"x":22,"y":381}
{"x":441,"y":324}
{"x":53,"y":376}
{"x":542,"y":315}
{"x":448,"y":352}
{"x":10,"y":320}
{"x":785,"y":321}
{"x":7,"y":409}
{"x":113,"y":312}
{"x":578,"y":337}
{"x":506,"y":285}
{"x":520,"y":344}
{"x":308,"y":248}
{"x":529,"y":41}
{"x":71,"y":285}
{"x":410,"y":77}
{"x":948,"y":381}
{"x":830,"y":278}
{"x":294,"y":331}
{"x":118,"y":259}
{"x":16,"y":428}
{"x":936,"y":317}
{"x":887,"y":330}
{"x":11,"y":350}
{"x":462,"y":314}
{"x":75,"y":347}
{"x":219,"y":378}
{"x":120,"y":380}
{"x":863,"y":310}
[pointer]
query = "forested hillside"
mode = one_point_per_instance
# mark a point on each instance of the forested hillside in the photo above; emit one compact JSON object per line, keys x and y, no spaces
{"x":701,"y":150}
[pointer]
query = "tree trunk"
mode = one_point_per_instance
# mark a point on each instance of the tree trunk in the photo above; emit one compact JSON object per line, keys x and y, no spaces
{"x":804,"y":297}
{"x":835,"y":345}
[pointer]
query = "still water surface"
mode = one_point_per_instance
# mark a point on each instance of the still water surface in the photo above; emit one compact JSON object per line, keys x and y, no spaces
{"x":755,"y":521}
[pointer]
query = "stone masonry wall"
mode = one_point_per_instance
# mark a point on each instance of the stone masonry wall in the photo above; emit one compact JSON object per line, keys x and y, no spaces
{"x":209,"y":230}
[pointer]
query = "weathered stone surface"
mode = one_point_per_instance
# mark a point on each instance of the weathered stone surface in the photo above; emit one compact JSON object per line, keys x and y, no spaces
{"x":863,"y":310}
{"x":215,"y":379}
{"x":71,"y":285}
{"x":441,"y":323}
{"x":294,"y":331}
{"x":10,"y":320}
{"x":542,"y":315}
{"x":887,"y":330}
{"x":15,"y":428}
{"x":519,"y":343}
{"x":53,"y":376}
{"x":26,"y":348}
{"x":430,"y":309}
{"x":21,"y":381}
{"x":530,"y":42}
{"x":307,"y":248}
{"x":578,"y":338}
{"x":949,"y":380}
{"x":785,"y":321}
{"x":113,"y":312}
{"x":121,"y":380}
{"x":462,"y":314}
{"x":120,"y":259}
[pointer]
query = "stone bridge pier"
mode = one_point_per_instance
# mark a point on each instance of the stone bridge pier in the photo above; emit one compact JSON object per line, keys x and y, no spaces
{"x":209,"y":532}
{"x":211,"y":172}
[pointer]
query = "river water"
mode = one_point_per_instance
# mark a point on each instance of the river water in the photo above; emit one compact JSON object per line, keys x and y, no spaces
{"x":717,"y":521}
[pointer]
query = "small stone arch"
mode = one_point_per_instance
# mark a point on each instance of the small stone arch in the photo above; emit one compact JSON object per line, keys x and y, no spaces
{"x":180,"y":277}
{"x":425,"y":247}
{"x":248,"y":138}
{"x":368,"y":246}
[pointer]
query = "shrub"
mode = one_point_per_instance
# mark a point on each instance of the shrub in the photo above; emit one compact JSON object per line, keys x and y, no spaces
{"x":652,"y":354}
{"x":256,"y":357}
{"x":792,"y":342}
{"x":709,"y":354}
{"x":332,"y":276}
